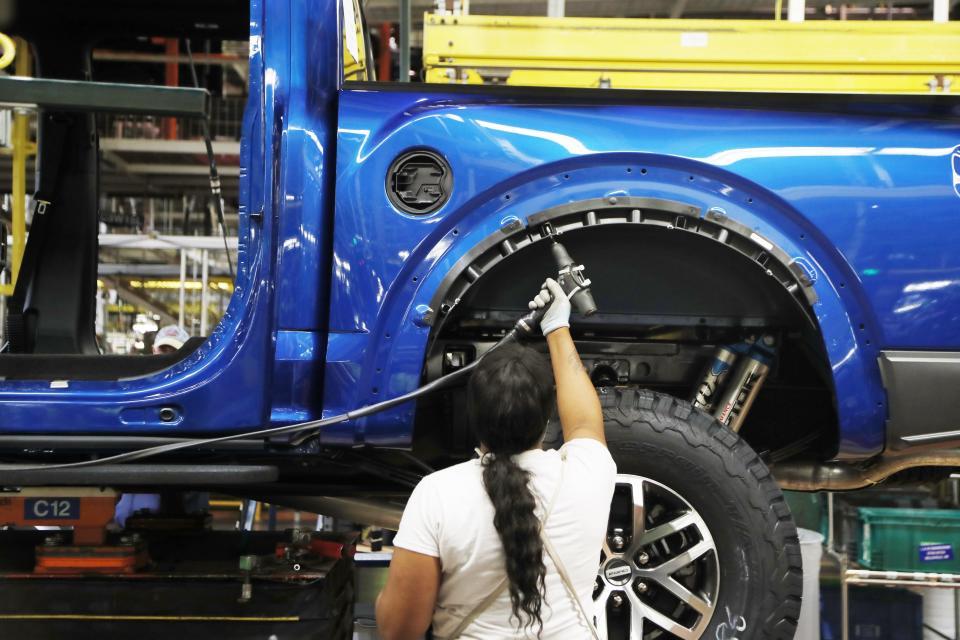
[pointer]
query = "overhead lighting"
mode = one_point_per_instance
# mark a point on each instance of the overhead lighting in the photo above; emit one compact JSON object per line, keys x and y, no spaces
{"x":193,"y":285}
{"x":121,"y":308}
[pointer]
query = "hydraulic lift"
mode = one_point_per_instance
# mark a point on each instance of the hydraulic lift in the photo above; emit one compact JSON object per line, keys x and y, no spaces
{"x":164,"y":574}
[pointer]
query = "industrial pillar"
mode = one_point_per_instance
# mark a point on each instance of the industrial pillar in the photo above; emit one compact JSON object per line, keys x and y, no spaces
{"x":404,"y":40}
{"x":183,"y":285}
{"x":941,"y":10}
{"x":171,"y":79}
{"x":796,"y":10}
{"x":205,"y":291}
{"x":384,"y":60}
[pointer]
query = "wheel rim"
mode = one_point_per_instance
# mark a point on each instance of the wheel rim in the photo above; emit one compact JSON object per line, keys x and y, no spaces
{"x":659,"y":571}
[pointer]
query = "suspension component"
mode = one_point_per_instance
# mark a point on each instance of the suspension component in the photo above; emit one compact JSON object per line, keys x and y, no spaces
{"x":745,"y":383}
{"x":706,"y":395}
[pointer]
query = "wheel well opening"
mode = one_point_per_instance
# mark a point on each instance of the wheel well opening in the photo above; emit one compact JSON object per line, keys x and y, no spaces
{"x":668,"y":295}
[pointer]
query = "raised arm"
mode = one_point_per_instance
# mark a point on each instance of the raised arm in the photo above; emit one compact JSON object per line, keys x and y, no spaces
{"x":577,"y":401}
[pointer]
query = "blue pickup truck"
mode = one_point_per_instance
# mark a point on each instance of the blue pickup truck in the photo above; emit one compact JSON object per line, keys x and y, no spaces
{"x":777,"y":279}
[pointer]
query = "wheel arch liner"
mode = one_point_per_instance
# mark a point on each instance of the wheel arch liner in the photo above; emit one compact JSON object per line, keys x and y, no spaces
{"x":714,"y":224}
{"x":855,"y":375}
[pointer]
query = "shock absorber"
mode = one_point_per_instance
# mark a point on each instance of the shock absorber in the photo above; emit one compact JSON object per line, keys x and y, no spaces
{"x":706,"y":395}
{"x":745,"y":382}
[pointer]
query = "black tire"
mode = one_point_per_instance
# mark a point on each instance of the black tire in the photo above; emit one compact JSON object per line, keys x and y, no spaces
{"x":661,"y":438}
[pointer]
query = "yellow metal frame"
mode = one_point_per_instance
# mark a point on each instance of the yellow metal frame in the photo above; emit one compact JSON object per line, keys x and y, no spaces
{"x":746,"y":55}
{"x":8,"y":50}
{"x":238,"y":505}
{"x":21,"y":149}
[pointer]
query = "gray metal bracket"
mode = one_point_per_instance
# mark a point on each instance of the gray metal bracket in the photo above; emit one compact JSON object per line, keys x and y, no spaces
{"x":103,"y":97}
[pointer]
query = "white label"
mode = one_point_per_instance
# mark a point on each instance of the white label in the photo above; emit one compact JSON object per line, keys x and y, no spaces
{"x":694,"y":39}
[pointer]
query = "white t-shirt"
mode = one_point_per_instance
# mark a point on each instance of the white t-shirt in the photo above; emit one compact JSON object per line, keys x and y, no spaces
{"x":450,"y":516}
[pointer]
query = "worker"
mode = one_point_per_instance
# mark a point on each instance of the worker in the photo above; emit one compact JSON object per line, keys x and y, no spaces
{"x":169,"y":339}
{"x":470,"y":556}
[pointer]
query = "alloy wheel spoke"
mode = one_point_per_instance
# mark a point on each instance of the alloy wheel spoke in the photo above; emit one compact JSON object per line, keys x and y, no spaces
{"x":639,"y":509}
{"x":636,"y":622}
{"x":671,"y":566}
{"x":689,"y":598}
{"x":664,"y":622}
{"x":662,"y":531}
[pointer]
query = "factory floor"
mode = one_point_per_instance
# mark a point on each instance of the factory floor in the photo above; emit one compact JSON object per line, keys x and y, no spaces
{"x":371,"y":567}
{"x":867,"y":604}
{"x":937,"y":607}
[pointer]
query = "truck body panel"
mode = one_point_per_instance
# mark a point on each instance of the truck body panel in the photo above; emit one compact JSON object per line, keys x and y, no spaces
{"x":332,"y":308}
{"x":201,"y":388}
{"x":837,"y":190}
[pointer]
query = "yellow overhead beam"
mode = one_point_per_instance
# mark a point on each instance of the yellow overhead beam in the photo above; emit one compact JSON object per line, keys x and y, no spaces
{"x":829,"y":56}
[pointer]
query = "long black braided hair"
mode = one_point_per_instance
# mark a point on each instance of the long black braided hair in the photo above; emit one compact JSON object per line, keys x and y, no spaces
{"x":510,"y":399}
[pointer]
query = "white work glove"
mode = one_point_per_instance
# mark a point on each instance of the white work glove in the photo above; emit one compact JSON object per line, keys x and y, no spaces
{"x":558,"y":313}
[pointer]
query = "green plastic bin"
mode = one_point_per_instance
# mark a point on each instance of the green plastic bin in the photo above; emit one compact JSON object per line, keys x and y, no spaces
{"x":807,"y":509}
{"x":910,"y":539}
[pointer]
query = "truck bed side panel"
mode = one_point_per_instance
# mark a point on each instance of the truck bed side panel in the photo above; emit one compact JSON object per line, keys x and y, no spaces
{"x":869,"y":198}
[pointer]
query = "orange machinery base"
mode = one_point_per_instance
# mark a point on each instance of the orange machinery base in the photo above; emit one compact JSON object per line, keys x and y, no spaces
{"x":87,"y":511}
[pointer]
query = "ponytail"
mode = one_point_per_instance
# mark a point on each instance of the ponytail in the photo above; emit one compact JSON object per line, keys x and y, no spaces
{"x":519,"y":530}
{"x":510,"y":398}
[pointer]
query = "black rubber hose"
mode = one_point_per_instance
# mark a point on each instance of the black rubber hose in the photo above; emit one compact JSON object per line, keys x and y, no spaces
{"x":212,"y":162}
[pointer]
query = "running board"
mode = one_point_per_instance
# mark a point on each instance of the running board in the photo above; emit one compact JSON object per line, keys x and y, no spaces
{"x":101,"y":443}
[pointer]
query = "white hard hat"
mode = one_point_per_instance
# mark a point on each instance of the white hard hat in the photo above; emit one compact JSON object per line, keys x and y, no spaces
{"x":172,"y":336}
